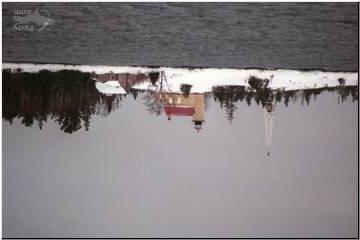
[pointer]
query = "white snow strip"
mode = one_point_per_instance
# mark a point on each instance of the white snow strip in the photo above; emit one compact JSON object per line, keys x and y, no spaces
{"x":203,"y":80}
{"x":30,"y":67}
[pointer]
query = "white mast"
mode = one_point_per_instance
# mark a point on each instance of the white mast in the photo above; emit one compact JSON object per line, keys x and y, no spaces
{"x":269,"y":110}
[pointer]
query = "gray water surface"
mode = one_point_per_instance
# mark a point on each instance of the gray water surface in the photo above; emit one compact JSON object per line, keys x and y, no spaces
{"x":78,"y":163}
{"x":241,"y":35}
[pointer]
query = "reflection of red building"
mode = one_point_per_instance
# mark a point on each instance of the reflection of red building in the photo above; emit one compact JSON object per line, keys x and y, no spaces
{"x":180,"y":105}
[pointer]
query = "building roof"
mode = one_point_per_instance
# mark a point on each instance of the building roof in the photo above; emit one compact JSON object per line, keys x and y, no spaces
{"x":110,"y":87}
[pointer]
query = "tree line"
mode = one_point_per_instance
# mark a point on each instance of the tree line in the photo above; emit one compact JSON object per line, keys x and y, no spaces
{"x":70,"y":98}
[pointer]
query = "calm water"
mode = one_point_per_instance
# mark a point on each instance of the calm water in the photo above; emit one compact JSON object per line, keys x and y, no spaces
{"x":134,"y":158}
{"x":226,"y":163}
{"x":257,"y":35}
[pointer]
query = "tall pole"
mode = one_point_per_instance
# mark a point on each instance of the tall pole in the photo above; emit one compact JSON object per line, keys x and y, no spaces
{"x":269,"y":110}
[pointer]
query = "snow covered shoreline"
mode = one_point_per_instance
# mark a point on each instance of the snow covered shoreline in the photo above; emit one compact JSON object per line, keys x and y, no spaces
{"x":204,"y":79}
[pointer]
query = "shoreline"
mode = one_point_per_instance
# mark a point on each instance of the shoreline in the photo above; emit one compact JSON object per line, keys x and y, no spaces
{"x":204,"y":79}
{"x":70,"y":66}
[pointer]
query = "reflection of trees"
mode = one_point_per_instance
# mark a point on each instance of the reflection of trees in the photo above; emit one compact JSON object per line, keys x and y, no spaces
{"x":152,"y":98}
{"x":106,"y":104}
{"x":68,"y":97}
{"x":345,"y":92}
{"x":185,"y":89}
{"x":154,"y":77}
{"x":227,"y":96}
{"x":153,"y":103}
{"x":258,"y":83}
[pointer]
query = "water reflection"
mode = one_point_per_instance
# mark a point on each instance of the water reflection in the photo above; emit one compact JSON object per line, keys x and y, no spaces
{"x":71,"y":98}
{"x":68,"y":97}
